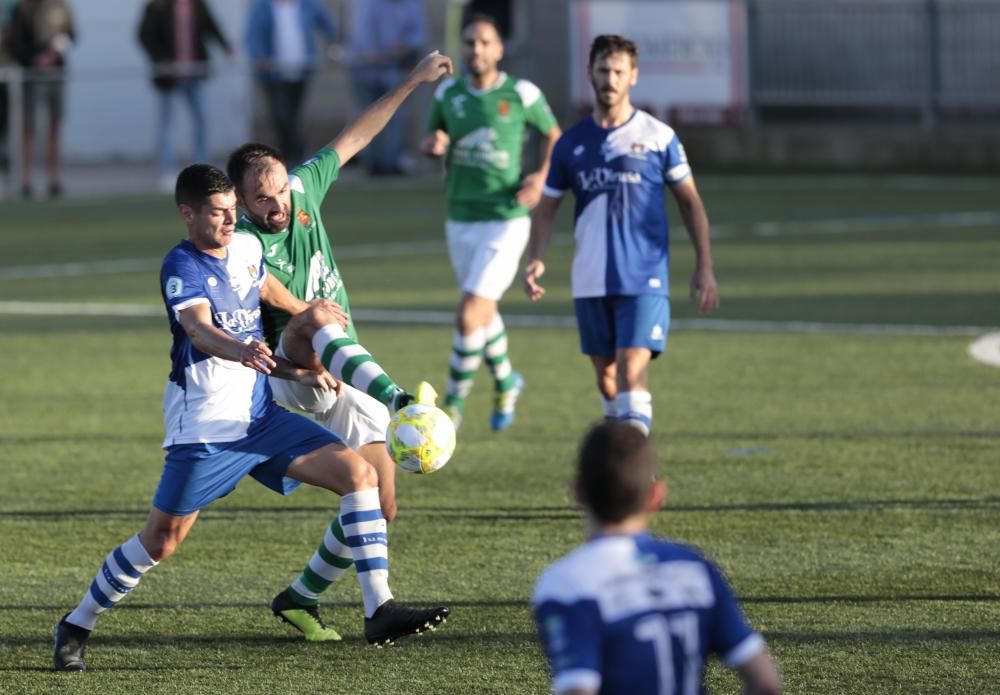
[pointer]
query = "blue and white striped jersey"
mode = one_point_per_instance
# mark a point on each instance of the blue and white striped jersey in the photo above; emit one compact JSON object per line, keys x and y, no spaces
{"x":633,"y":614}
{"x":208,"y":399}
{"x":617,"y":177}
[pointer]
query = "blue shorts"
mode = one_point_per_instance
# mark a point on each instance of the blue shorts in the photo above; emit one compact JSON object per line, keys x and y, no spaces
{"x":626,"y":321}
{"x":195,"y":475}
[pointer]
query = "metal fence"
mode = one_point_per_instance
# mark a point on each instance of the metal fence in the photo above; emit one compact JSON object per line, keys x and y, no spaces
{"x":930,"y":59}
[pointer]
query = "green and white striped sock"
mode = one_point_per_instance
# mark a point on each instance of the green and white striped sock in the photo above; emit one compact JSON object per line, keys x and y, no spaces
{"x":466,"y":356}
{"x":495,"y":352}
{"x":351,"y":363}
{"x":331,"y":559}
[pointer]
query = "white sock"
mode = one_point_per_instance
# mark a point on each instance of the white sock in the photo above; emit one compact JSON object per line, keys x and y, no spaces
{"x":635,"y":408}
{"x":352,"y":363}
{"x":466,"y":356}
{"x":331,"y":559}
{"x":495,"y":353}
{"x":365,"y":533}
{"x":610,"y":412}
{"x":120,"y":573}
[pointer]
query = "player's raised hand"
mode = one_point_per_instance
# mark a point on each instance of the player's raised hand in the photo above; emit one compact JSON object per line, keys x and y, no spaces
{"x":534,"y":270}
{"x":435,"y":144}
{"x":704,"y":290}
{"x":432,"y":67}
{"x":531,"y":190}
{"x":257,"y":356}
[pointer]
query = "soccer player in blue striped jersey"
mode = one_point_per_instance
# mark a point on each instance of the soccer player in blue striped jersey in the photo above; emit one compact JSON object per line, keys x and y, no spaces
{"x":629,"y":613}
{"x":222,"y":423}
{"x":616,"y":162}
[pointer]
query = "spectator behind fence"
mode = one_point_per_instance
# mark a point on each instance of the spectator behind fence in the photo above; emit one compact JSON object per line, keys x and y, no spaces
{"x":175,"y":34}
{"x":281,"y":41}
{"x":40,"y":34}
{"x":387,"y":39}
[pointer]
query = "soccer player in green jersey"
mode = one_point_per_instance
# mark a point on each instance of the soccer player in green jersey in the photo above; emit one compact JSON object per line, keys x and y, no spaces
{"x":282,"y":209}
{"x":478,"y":123}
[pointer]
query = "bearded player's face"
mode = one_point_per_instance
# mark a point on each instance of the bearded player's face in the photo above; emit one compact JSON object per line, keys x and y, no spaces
{"x":266,"y":197}
{"x":612,"y":76}
{"x":482,"y":48}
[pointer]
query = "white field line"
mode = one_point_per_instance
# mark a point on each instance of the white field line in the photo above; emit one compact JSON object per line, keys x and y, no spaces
{"x":445,"y":318}
{"x":948,"y":220}
{"x":986,"y":349}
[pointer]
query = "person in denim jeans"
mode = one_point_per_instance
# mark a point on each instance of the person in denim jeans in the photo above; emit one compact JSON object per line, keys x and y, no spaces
{"x":175,"y":35}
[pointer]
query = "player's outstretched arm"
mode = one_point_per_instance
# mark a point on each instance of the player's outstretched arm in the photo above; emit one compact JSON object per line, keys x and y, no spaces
{"x":356,"y":136}
{"x":542,"y":221}
{"x":197,"y":323}
{"x":704,"y":288}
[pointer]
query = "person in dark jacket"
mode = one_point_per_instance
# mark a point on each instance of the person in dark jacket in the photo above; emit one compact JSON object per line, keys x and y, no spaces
{"x":40,"y":34}
{"x":175,"y":35}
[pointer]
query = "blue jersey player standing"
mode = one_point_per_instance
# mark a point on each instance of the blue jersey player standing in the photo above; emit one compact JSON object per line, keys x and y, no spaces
{"x":222,"y":423}
{"x":628,"y":613}
{"x":617,"y":162}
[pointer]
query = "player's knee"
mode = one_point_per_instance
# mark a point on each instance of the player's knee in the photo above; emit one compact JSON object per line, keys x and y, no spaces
{"x":361,"y":474}
{"x":160,"y":544}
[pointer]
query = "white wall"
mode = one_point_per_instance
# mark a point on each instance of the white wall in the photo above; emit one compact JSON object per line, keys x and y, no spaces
{"x":111,"y":104}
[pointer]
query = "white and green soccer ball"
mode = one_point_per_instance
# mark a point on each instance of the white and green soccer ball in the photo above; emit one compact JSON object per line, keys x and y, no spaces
{"x":421,"y":438}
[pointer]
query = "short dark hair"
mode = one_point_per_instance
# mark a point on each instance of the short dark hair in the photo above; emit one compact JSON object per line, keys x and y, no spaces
{"x":251,"y":156}
{"x":606,"y":44}
{"x":198,"y":182}
{"x":481,"y":18}
{"x":616,"y":467}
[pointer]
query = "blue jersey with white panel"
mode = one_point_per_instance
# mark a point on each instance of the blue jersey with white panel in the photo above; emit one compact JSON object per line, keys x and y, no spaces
{"x":209,"y":399}
{"x":617,"y":176}
{"x":633,"y":614}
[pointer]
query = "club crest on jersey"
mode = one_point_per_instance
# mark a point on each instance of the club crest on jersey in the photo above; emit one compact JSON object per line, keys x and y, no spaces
{"x":252,"y":271}
{"x":303,"y":217}
{"x":578,"y":150}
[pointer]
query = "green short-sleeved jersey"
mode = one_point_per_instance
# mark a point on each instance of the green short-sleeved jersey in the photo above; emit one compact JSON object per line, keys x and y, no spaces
{"x":300,"y":257}
{"x":487,"y":131}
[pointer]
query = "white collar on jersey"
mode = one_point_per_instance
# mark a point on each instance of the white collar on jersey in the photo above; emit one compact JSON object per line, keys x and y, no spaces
{"x":501,"y":78}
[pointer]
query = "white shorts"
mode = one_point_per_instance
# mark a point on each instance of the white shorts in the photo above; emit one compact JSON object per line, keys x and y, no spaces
{"x":485,"y":255}
{"x":352,"y":415}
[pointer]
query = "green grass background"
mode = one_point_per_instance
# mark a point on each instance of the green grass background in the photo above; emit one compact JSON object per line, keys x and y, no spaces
{"x":847,"y":483}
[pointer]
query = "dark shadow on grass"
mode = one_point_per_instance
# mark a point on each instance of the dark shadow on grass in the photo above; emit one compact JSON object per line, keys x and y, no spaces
{"x":102,"y":439}
{"x":516,"y":603}
{"x":516,"y":514}
{"x":884,"y":636}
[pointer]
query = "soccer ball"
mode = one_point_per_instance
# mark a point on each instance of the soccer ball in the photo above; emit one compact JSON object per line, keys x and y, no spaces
{"x":421,"y":438}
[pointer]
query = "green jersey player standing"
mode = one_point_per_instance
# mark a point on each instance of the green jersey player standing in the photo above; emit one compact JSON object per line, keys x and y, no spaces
{"x":282,"y":210}
{"x":478,"y":123}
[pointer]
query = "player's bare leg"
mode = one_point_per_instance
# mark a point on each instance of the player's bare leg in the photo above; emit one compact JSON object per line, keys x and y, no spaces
{"x":633,"y":402}
{"x":377,"y":455}
{"x":605,"y":373}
